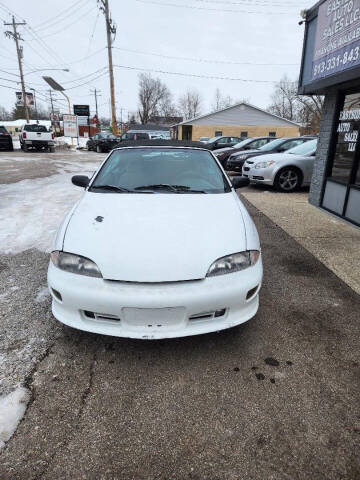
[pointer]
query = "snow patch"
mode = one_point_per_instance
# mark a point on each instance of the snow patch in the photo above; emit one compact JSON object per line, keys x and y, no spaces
{"x":31,"y":210}
{"x":12,"y":410}
{"x":42,"y":295}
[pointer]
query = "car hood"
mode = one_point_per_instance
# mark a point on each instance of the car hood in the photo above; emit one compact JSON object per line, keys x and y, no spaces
{"x":222,"y":150}
{"x":247,"y":152}
{"x":279,"y":157}
{"x":155,"y":237}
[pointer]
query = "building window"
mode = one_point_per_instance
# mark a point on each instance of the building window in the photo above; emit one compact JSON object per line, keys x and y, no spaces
{"x":244,"y":135}
{"x":272,"y":134}
{"x":342,"y":186}
{"x":347,"y":135}
{"x":218,"y":133}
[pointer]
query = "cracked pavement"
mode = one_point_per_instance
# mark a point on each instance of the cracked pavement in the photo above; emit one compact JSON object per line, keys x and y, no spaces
{"x":276,"y":398}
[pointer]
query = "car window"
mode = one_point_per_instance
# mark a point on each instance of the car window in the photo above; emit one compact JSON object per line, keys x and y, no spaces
{"x":35,"y":128}
{"x":272,"y":145}
{"x":259,"y":143}
{"x":243,"y":143}
{"x":3,"y":130}
{"x":306,"y":148}
{"x":223,"y":140}
{"x":291,"y":144}
{"x":134,"y":168}
{"x":234,"y":139}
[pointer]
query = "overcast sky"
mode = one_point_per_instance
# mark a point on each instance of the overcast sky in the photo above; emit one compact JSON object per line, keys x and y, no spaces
{"x":71,"y":34}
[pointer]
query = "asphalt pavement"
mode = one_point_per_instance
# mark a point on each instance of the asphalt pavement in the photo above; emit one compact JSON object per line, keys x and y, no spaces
{"x":274,"y":399}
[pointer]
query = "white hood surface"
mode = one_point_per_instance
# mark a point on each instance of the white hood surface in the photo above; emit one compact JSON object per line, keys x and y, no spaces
{"x":155,"y":237}
{"x":277,"y":157}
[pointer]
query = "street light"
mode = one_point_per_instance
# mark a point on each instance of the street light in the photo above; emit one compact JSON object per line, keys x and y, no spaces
{"x":56,"y":86}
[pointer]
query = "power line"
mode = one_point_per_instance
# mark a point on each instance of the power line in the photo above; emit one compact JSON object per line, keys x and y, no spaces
{"x":192,"y":7}
{"x":203,"y":60}
{"x":193,"y":75}
{"x":249,"y":3}
{"x":57,"y":19}
{"x":67,"y":26}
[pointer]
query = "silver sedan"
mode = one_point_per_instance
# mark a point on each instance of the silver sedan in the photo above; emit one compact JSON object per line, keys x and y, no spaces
{"x":286,"y":171}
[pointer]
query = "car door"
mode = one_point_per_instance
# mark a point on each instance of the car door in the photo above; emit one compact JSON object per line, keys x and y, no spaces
{"x":307,"y":165}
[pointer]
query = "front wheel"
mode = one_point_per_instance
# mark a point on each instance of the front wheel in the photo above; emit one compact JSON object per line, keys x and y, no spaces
{"x":51,"y":149}
{"x":98,"y":149}
{"x":288,"y":180}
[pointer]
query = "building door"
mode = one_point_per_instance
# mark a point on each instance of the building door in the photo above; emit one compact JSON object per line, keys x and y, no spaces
{"x":187,"y":132}
{"x":342,"y":183}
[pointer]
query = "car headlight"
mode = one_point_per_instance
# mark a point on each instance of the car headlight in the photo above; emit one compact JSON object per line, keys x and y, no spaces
{"x":233,"y":263}
{"x":75,"y":264}
{"x":265,"y":164}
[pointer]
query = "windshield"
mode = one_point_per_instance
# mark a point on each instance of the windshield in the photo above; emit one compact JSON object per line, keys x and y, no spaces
{"x":243,"y":143}
{"x":272,"y":145}
{"x":213,"y":139}
{"x":161,"y":170}
{"x":35,"y":128}
{"x":306,"y":148}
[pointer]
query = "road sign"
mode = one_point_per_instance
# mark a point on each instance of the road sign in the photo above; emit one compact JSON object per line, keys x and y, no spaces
{"x":70,"y":126}
{"x":82,"y":110}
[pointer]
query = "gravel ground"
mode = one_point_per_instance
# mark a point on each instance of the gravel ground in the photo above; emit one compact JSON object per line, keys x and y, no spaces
{"x":274,"y":399}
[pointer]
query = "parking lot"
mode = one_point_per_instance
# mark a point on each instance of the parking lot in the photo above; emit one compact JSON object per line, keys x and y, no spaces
{"x":273,"y":399}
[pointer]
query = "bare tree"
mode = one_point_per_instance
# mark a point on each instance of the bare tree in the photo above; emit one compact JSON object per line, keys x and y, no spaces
{"x":287,"y":103}
{"x":284,"y":99}
{"x":4,"y":114}
{"x":153,"y":95}
{"x":221,"y":101}
{"x":190,"y":104}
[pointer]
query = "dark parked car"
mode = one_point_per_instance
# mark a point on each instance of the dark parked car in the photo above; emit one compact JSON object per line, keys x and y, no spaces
{"x":5,"y":139}
{"x":135,"y":136}
{"x":236,"y":160}
{"x":222,"y":142}
{"x":248,"y":144}
{"x":103,"y":142}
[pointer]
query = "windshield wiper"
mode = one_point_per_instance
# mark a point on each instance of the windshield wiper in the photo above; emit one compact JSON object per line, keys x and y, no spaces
{"x":171,"y":188}
{"x":112,"y":188}
{"x":186,"y":189}
{"x":159,"y":186}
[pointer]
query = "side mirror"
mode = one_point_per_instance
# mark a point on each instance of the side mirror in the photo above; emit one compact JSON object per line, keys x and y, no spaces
{"x":80,"y":180}
{"x":240,"y":182}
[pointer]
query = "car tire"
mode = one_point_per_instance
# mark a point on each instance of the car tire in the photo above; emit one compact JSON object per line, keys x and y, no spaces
{"x":288,"y":179}
{"x":51,"y":149}
{"x":25,"y":147}
{"x":99,"y":149}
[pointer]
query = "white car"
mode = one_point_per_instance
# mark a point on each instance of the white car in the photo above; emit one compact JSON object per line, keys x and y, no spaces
{"x":158,"y":246}
{"x":286,"y":171}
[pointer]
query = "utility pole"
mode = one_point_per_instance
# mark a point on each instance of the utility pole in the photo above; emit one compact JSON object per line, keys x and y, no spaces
{"x":16,"y":37}
{"x":96,"y":94}
{"x":110,"y":30}
{"x":52,"y":111}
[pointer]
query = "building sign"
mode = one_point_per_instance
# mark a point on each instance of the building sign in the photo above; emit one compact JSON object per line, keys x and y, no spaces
{"x":70,"y":126}
{"x":337,"y":38}
{"x":347,"y":139}
{"x":83,"y":110}
{"x":29,"y":99}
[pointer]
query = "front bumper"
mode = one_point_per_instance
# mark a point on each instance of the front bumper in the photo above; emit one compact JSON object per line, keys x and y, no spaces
{"x":154,"y":311}
{"x":234,"y":165}
{"x":258,"y":175}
